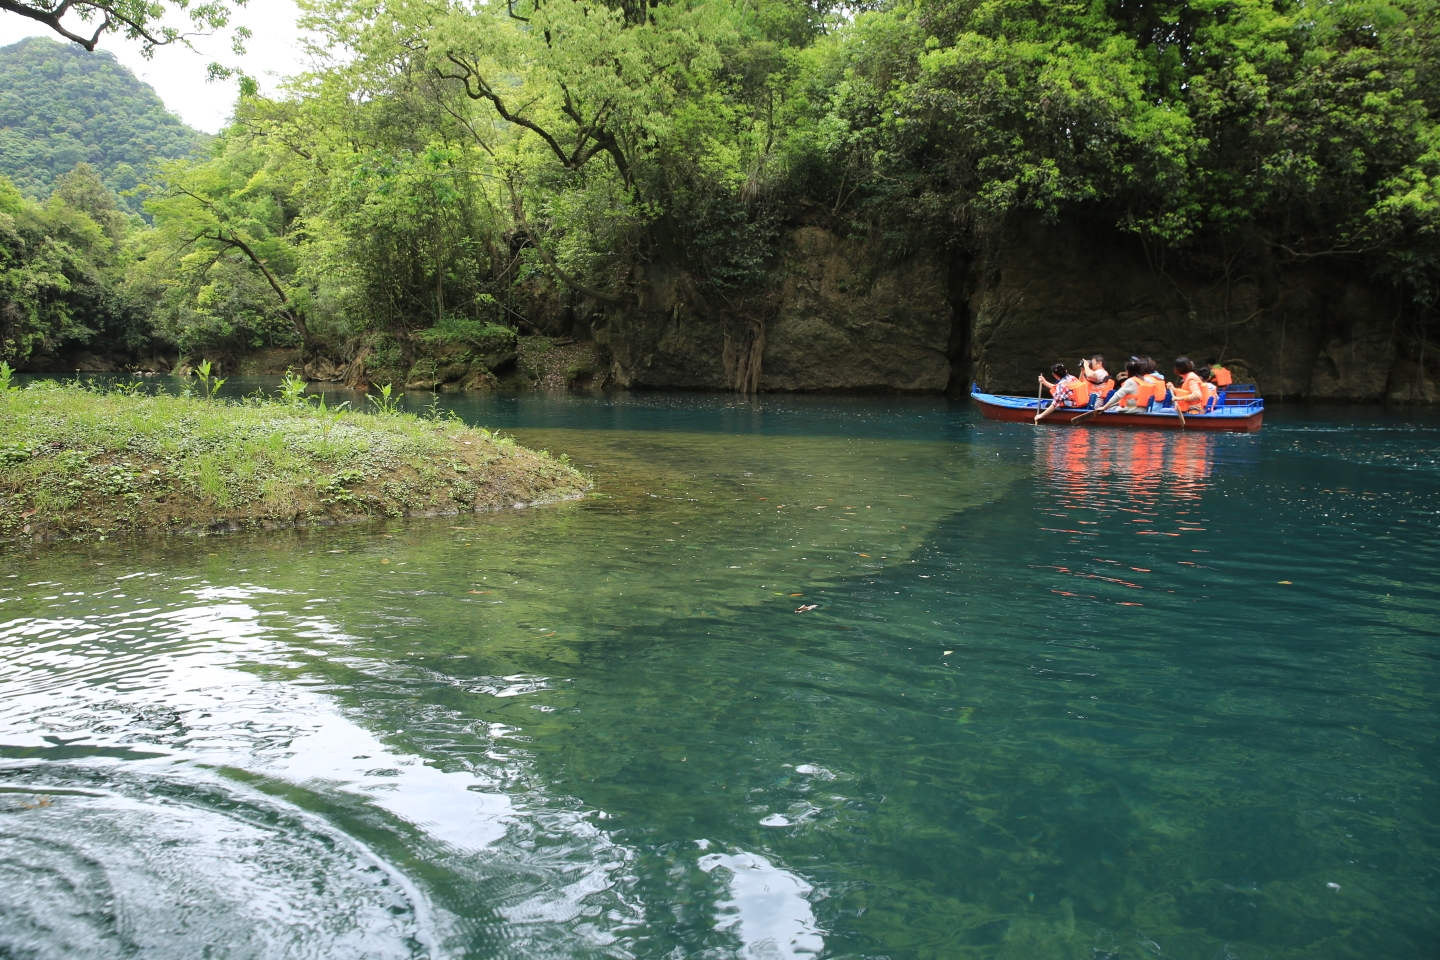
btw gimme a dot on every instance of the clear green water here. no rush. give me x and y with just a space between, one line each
1034 714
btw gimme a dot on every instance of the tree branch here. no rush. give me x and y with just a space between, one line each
600 139
482 91
235 242
52 17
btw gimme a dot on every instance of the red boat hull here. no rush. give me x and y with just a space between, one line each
1238 421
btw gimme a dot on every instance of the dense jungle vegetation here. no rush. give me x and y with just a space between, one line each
448 154
60 106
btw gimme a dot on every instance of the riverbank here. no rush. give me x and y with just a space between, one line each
82 463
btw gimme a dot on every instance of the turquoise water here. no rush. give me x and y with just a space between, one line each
1069 694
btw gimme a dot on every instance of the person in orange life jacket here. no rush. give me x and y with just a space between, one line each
1190 394
1159 386
1068 391
1093 370
1219 375
1134 391
1212 392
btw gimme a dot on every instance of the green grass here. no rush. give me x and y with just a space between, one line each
81 462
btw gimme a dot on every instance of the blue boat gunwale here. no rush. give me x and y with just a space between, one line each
1229 412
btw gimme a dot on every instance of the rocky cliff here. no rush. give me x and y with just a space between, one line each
838 318
841 316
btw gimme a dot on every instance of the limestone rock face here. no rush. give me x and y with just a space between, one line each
840 318
1313 330
845 322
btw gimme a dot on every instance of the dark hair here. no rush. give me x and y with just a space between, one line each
1149 365
1059 371
1098 359
1135 367
1184 365
1204 372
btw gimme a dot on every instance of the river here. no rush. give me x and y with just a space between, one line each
803 677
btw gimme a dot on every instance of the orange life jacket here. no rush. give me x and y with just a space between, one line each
1212 394
1158 387
1191 384
1221 377
1137 400
1079 390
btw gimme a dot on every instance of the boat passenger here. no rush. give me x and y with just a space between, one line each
1134 391
1212 392
1068 390
1159 386
1093 370
1219 376
1190 394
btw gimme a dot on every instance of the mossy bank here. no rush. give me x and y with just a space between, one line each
76 462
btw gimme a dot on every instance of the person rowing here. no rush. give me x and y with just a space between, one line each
1190 394
1066 391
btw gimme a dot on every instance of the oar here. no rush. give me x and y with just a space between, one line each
1178 412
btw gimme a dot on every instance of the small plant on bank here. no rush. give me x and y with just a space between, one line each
433 411
329 416
209 386
292 389
6 374
383 403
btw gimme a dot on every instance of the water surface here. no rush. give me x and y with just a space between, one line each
1069 694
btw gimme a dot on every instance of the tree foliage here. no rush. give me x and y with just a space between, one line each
446 154
61 271
60 106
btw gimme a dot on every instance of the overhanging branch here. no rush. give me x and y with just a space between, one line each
233 241
51 17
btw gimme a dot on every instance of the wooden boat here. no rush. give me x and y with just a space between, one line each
1238 410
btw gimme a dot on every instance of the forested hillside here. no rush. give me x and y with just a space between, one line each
784 195
60 105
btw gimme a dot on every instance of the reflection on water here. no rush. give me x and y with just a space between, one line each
1066 694
769 908
1137 462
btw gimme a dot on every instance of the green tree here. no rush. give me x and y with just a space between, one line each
218 264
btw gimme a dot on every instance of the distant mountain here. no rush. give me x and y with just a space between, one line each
60 105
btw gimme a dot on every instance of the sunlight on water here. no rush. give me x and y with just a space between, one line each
802 678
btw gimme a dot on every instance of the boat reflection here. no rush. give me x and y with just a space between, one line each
1139 464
